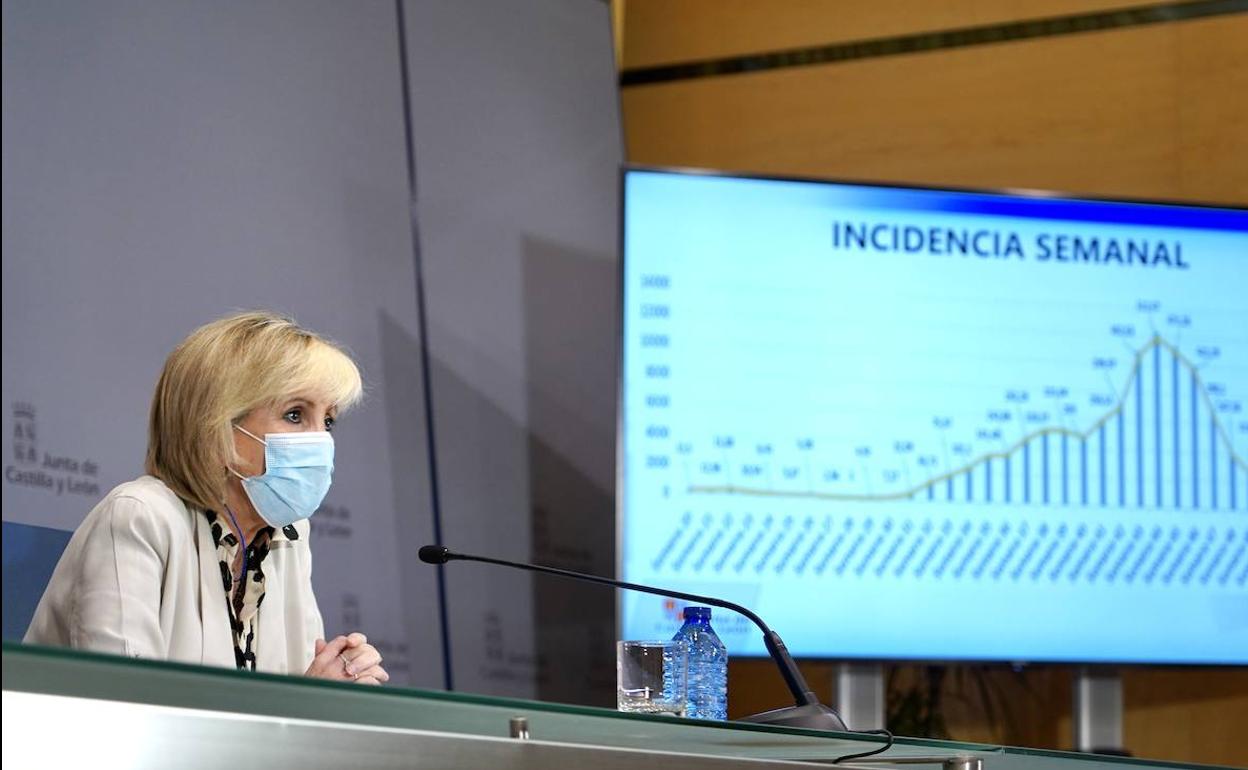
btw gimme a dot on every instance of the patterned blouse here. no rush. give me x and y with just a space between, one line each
244 597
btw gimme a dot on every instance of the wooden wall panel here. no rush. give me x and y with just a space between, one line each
1211 72
1178 714
1104 113
670 31
1185 715
1157 111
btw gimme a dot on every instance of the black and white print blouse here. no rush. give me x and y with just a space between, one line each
244 597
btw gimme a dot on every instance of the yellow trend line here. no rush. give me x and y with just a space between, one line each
1155 342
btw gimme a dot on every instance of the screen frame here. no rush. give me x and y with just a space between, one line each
626 169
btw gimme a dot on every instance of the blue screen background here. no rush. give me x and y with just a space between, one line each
916 454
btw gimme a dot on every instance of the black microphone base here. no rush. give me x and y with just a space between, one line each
812 716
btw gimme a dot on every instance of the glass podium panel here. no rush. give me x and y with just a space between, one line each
64 706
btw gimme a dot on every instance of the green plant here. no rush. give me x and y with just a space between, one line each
914 701
920 698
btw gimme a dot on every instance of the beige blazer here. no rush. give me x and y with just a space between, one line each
140 577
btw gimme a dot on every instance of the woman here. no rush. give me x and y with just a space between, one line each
205 559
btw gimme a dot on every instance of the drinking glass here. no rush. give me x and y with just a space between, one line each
651 677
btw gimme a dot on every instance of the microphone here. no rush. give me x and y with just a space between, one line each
808 711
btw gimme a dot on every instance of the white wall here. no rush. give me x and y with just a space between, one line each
517 146
168 162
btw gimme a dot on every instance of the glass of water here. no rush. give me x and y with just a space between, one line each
652 677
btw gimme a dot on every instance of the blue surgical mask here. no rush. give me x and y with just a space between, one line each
298 469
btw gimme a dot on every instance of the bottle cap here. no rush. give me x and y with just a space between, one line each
700 613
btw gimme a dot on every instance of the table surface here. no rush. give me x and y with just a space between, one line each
65 673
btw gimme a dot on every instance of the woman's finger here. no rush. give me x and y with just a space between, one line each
327 656
361 660
376 672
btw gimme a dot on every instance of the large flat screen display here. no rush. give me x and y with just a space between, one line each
931 424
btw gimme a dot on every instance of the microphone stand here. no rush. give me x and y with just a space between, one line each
807 712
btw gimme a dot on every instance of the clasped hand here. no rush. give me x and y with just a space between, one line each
348 659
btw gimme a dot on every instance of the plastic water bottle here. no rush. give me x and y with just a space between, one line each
708 666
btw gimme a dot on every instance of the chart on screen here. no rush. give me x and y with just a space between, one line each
882 417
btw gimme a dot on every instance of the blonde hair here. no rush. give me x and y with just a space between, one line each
221 372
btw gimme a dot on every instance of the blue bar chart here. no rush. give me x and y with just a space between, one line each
1177 426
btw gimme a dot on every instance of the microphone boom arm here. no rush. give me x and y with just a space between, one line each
808 711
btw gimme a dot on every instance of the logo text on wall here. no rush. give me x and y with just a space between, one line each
56 474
